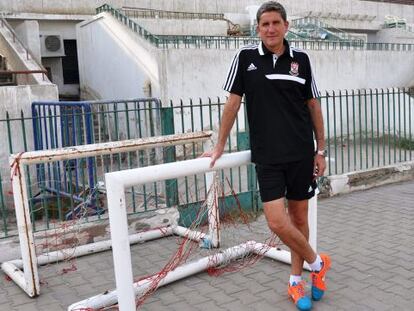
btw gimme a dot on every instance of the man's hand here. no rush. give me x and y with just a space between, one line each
319 165
229 115
214 154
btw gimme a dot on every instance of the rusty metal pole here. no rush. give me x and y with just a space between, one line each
24 224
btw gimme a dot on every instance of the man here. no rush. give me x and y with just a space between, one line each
283 113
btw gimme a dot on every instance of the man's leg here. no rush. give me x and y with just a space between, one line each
298 214
275 182
279 222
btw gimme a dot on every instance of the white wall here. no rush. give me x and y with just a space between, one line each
114 63
14 100
65 28
356 69
197 73
198 27
395 35
201 72
28 32
56 6
294 7
18 58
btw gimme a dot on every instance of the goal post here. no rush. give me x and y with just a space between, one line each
117 182
24 271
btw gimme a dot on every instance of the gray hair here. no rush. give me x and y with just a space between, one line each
270 6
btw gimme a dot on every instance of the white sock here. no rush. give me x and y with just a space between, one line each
295 279
317 264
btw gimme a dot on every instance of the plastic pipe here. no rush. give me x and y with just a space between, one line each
191 268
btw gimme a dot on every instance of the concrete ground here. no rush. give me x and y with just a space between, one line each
369 234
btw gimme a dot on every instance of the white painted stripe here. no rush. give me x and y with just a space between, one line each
231 74
314 88
285 77
261 52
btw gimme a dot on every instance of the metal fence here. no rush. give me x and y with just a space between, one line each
63 189
223 42
363 128
368 128
134 12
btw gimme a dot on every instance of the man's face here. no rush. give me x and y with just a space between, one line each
272 29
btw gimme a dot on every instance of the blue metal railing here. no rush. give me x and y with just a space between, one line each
65 124
74 128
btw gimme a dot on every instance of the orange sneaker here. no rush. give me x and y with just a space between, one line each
297 293
318 278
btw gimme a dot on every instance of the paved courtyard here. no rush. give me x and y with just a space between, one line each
369 234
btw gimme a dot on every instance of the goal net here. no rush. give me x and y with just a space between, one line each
214 224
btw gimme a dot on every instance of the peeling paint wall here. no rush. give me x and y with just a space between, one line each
293 7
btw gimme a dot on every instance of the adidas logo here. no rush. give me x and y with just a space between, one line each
251 67
310 189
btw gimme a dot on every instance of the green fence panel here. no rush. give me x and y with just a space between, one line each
167 128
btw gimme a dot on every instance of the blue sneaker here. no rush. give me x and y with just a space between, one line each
297 293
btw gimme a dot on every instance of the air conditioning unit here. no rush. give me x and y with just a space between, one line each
51 45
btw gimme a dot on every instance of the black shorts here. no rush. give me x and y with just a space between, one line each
293 180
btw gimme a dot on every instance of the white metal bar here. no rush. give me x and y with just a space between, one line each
14 273
275 253
120 245
96 247
312 217
31 285
190 234
313 220
212 207
212 204
191 268
83 151
204 263
137 176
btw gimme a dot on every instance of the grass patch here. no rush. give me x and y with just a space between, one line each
405 143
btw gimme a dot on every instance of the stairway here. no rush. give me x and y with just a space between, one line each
315 29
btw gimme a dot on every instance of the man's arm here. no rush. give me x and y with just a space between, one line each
317 121
231 108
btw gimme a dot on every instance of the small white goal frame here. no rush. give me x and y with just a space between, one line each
117 182
24 271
